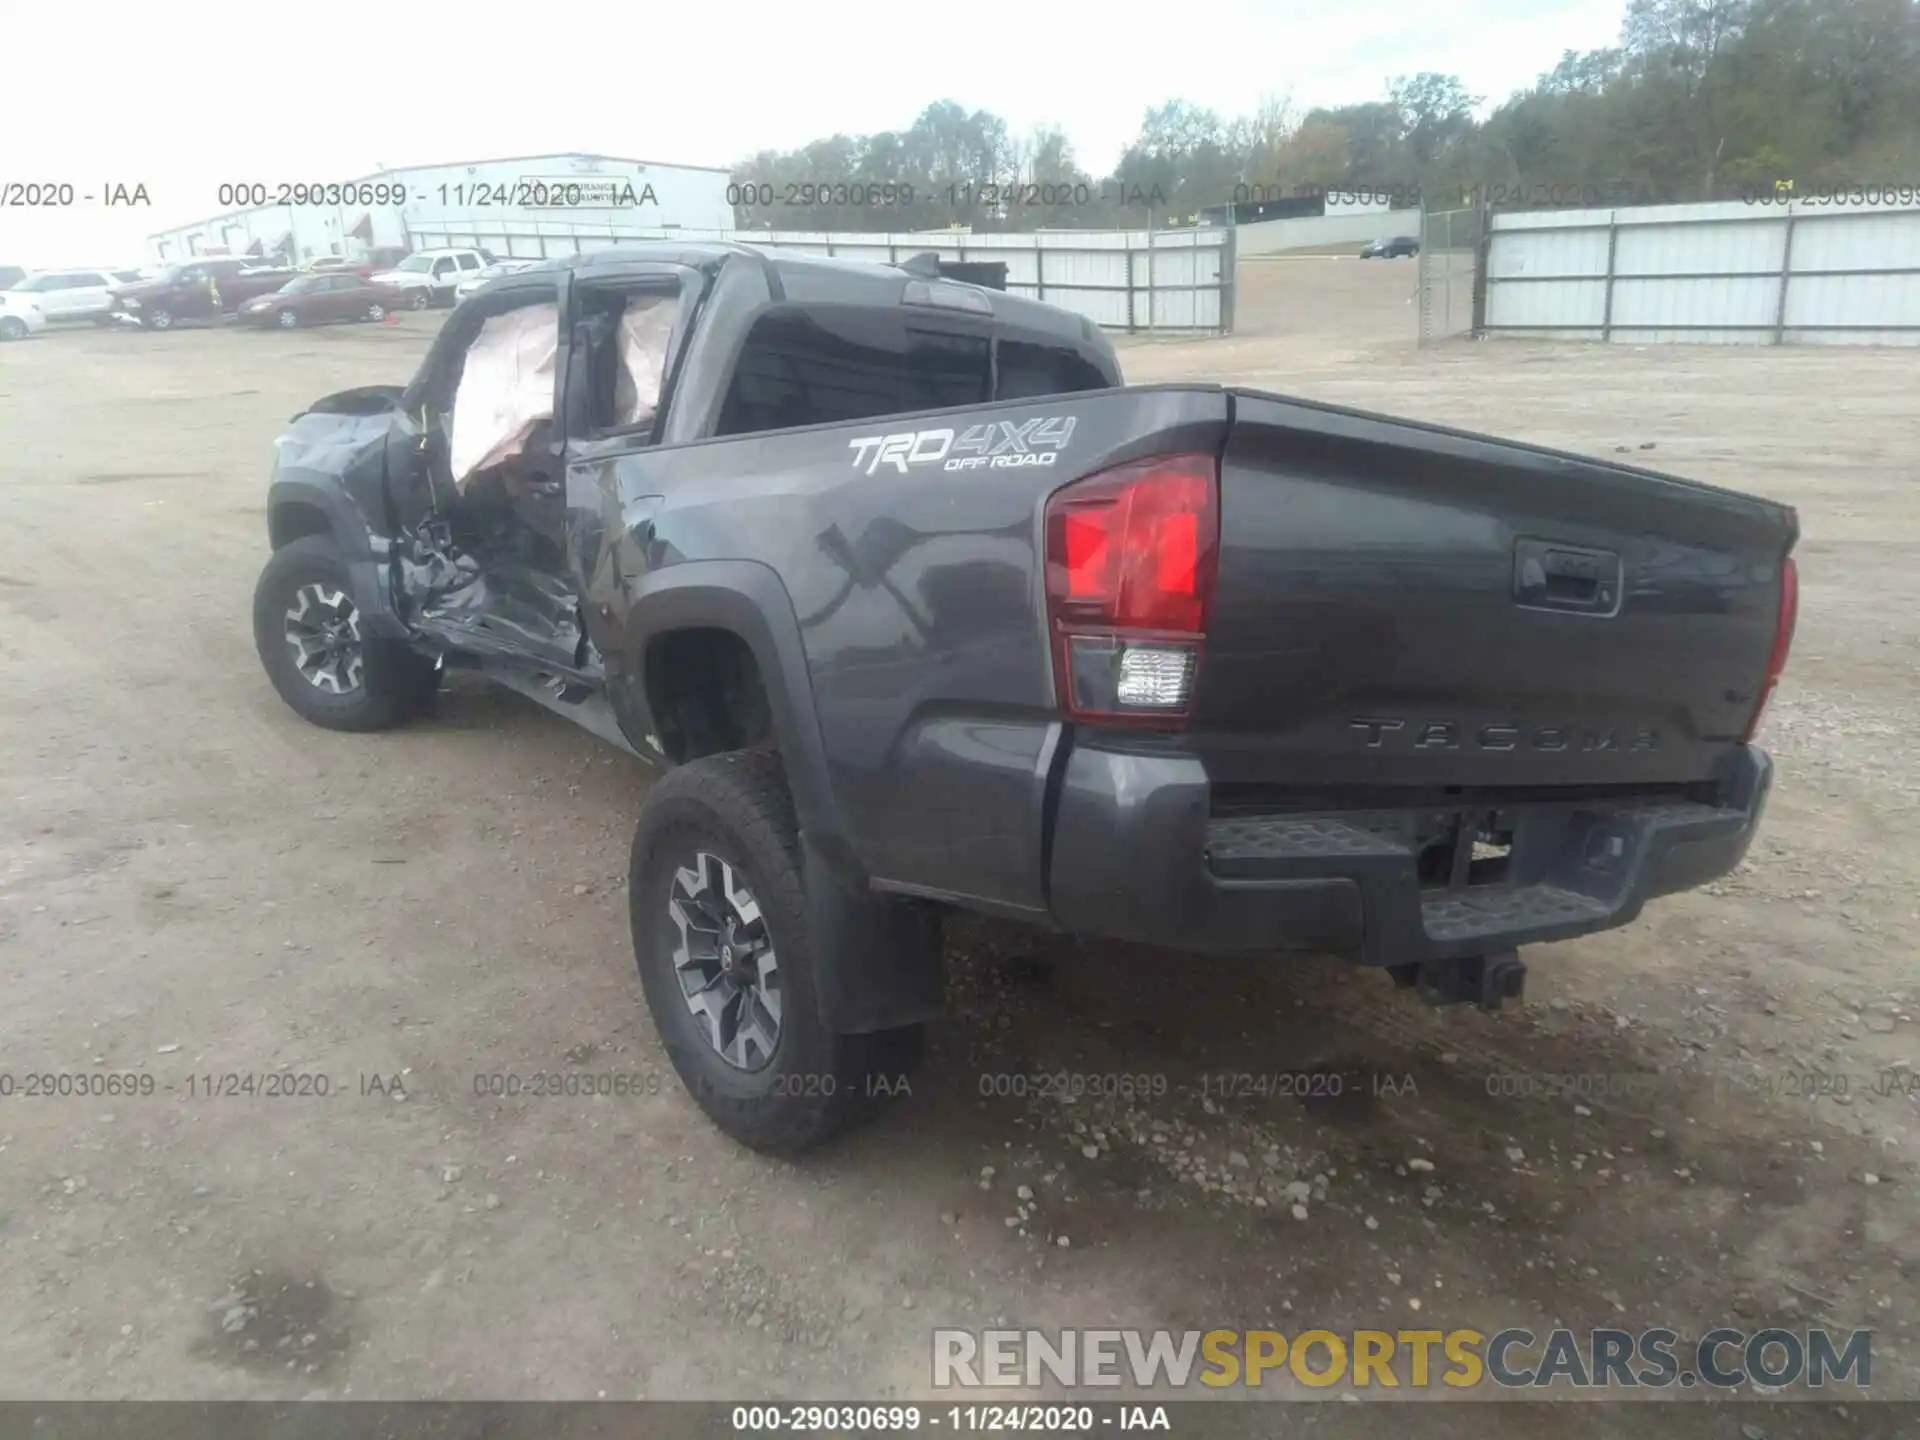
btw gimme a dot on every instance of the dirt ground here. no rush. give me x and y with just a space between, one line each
193 884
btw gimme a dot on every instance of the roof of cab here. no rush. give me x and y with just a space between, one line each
829 276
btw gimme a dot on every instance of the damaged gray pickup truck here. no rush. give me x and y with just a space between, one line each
919 607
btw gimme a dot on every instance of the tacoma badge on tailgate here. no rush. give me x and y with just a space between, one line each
1446 735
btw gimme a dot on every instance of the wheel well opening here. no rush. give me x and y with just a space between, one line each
706 693
296 521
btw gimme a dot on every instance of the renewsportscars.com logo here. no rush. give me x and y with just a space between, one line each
1595 1361
996 445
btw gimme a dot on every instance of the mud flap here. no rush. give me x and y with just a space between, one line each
877 959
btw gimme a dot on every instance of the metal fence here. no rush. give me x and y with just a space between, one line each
1727 273
1450 249
1134 281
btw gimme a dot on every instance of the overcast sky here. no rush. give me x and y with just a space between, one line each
181 100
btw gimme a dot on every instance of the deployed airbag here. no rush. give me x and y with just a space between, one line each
506 388
645 327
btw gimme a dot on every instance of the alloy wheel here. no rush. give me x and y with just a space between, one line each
323 629
725 961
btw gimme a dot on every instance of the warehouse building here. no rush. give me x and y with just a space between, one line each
429 204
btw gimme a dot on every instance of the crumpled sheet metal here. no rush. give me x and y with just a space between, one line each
329 444
506 388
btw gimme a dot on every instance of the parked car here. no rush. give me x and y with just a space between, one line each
20 315
381 258
207 289
70 294
1391 248
920 610
318 300
491 272
430 277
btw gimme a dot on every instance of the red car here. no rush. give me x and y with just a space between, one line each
318 299
378 259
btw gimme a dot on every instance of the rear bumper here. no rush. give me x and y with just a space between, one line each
1138 855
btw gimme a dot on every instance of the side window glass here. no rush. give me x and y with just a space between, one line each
1029 371
817 366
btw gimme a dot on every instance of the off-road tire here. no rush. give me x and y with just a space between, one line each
397 683
816 1083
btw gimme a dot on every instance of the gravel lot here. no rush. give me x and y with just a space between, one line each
193 883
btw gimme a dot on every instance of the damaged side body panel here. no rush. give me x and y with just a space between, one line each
451 499
480 563
331 476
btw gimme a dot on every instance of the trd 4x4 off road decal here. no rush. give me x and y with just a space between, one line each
997 445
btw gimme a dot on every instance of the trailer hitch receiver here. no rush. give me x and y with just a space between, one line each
1488 981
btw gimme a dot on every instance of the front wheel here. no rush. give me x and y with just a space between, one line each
158 319
12 327
718 907
286 319
308 633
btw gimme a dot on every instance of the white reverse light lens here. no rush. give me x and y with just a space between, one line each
1155 677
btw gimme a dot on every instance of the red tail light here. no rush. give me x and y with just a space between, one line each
1130 565
1782 640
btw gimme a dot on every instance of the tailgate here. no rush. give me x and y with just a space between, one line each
1400 605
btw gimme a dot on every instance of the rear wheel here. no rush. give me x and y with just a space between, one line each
307 630
376 312
420 299
720 932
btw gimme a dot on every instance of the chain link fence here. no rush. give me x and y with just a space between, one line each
1450 250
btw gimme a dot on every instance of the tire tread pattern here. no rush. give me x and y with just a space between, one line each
397 683
746 791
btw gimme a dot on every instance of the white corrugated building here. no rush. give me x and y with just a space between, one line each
407 206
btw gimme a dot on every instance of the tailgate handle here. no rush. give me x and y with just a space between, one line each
1552 576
